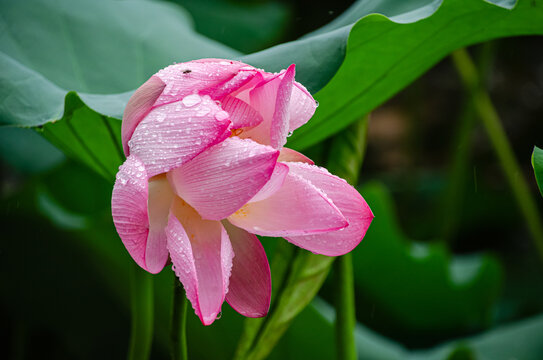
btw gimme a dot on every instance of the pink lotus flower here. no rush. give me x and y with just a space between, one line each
206 170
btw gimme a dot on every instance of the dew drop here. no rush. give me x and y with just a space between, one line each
221 116
316 103
219 315
203 111
191 100
161 117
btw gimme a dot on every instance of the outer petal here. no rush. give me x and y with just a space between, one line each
173 134
202 259
289 155
298 208
201 76
223 178
250 284
138 106
302 106
349 201
131 217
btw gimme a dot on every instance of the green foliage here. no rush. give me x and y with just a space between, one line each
298 275
15 150
247 26
383 57
420 286
87 136
92 47
537 163
376 52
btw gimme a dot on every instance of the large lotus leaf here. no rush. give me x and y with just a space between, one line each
93 47
25 150
382 56
245 26
104 48
419 288
519 340
98 48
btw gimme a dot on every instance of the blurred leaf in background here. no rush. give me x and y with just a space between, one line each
419 291
244 25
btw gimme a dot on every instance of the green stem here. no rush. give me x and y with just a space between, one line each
453 199
141 337
458 173
345 308
179 321
281 267
346 157
491 121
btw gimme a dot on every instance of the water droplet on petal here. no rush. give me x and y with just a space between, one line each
191 100
203 111
219 315
221 116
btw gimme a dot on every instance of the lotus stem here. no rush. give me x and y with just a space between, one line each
179 322
491 122
346 157
141 337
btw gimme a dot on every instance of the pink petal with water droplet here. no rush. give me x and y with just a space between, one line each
131 216
273 185
223 178
244 92
201 76
298 208
302 106
250 283
173 134
271 99
289 155
202 255
241 113
281 117
245 79
138 106
348 200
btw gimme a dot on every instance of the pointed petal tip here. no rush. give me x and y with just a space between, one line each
202 258
208 320
297 209
289 155
291 68
348 200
